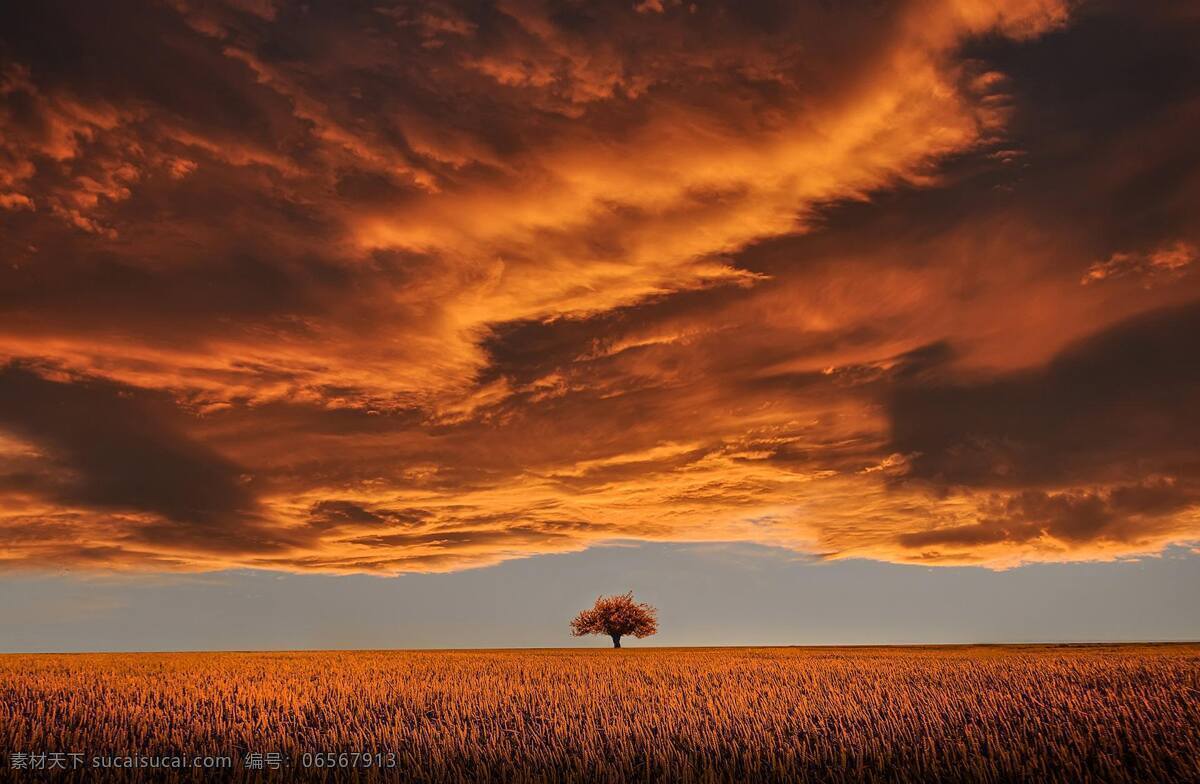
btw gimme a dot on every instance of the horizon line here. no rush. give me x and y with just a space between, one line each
1033 644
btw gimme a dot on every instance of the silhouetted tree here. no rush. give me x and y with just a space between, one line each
615 617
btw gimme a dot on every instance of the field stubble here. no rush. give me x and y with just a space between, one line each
1052 714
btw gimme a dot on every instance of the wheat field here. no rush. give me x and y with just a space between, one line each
988 714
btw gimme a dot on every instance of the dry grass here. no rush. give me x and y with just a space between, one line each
879 714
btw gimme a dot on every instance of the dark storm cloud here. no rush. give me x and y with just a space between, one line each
116 448
1117 403
1101 120
333 514
1124 514
1098 446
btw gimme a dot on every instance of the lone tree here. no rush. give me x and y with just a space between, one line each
615 617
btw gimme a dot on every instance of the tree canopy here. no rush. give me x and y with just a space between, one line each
616 617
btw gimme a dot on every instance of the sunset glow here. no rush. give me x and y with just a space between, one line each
353 288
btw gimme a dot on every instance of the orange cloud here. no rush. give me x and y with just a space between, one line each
424 288
1168 261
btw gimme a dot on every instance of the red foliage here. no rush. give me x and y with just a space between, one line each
615 617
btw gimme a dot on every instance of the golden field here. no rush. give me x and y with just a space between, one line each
988 713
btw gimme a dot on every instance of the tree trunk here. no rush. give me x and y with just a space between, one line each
616 640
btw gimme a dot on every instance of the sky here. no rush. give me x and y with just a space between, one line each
384 300
706 594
